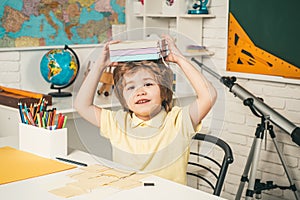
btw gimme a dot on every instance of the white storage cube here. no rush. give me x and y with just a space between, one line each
43 142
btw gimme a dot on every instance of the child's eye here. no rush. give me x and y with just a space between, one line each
130 88
148 84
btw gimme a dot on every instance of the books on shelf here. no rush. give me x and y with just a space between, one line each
12 96
138 50
195 49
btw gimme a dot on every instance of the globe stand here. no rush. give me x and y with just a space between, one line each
59 93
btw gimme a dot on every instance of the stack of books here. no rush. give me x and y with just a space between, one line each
138 50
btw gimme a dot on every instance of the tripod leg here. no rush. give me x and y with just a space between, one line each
252 177
246 171
256 141
286 169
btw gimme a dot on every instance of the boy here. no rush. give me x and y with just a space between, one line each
150 134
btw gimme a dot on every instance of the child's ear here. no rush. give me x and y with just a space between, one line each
164 103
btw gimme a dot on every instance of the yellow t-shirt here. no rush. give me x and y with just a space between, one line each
159 146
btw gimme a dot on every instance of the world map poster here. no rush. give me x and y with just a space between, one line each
32 23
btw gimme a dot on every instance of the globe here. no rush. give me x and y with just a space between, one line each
60 68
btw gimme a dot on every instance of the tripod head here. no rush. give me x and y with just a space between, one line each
257 104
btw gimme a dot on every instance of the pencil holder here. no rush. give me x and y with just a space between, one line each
43 142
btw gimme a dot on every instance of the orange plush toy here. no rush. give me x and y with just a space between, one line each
107 82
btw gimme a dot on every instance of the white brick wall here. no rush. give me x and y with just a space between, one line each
10 69
239 123
10 56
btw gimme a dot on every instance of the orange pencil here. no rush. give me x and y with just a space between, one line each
38 107
49 122
30 118
39 120
31 109
26 118
53 116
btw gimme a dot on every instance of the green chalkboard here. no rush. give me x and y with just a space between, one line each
272 25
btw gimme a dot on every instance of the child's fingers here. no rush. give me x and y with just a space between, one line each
168 38
114 64
106 45
114 41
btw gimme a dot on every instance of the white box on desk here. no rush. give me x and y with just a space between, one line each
43 142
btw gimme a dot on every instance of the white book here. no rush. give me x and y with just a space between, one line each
136 44
138 50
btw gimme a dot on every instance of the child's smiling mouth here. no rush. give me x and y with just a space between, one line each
142 101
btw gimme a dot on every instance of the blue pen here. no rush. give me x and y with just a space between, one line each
46 115
26 112
41 105
25 109
21 112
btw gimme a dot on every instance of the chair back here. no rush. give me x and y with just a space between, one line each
213 171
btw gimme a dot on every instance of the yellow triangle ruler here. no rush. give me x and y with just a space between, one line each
244 56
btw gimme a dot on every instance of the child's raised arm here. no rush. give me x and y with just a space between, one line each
85 97
206 93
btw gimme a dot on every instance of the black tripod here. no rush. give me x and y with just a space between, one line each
255 186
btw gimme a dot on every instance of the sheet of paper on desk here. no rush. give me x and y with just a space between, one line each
125 184
68 191
19 165
96 177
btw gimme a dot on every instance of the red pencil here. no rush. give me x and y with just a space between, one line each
60 121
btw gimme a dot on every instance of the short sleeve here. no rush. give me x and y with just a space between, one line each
187 120
106 123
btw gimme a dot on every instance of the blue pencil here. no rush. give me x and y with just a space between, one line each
21 112
26 113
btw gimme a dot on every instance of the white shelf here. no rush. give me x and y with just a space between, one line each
161 15
157 18
197 16
175 16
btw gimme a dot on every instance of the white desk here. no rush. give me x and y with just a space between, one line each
37 188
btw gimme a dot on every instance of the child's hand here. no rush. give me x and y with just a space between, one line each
105 57
174 53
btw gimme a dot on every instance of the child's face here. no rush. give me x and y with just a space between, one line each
142 94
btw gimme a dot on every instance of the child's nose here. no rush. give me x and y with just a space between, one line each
141 91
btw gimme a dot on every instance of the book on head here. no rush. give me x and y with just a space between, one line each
138 50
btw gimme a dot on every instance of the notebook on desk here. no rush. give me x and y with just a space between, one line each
16 165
